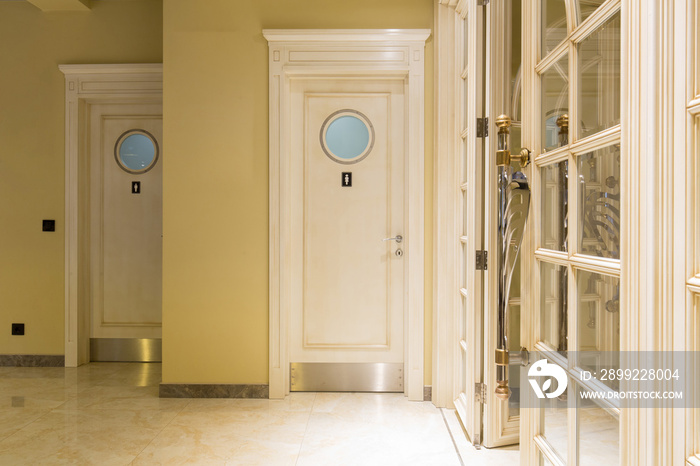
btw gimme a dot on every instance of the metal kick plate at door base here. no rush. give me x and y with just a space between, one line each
345 377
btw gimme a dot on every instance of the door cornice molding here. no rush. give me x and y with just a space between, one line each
351 36
344 53
90 84
112 69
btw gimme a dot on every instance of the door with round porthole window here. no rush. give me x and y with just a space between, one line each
348 242
126 229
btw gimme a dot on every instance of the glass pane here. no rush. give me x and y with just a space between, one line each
697 351
464 265
544 461
514 346
697 49
516 144
465 71
599 435
553 306
599 211
555 206
555 105
598 323
465 38
587 7
465 220
464 162
553 23
463 354
515 62
599 79
695 186
465 103
556 424
463 321
347 137
136 151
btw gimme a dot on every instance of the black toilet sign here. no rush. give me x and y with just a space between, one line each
136 187
346 180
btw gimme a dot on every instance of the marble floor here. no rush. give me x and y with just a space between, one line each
110 413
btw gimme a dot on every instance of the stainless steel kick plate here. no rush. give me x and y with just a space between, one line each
346 377
126 349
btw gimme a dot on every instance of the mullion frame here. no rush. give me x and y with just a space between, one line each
577 35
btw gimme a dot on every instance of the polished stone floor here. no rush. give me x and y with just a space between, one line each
110 413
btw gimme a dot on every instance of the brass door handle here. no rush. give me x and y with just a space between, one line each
503 155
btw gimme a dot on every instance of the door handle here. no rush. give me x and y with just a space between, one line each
503 155
513 209
397 238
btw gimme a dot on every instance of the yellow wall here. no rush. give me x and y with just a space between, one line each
215 256
32 45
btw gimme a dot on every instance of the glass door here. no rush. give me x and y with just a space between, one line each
490 40
571 255
470 37
508 206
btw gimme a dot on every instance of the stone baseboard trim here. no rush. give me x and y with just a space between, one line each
186 390
428 393
32 360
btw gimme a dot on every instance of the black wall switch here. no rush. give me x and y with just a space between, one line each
18 329
48 225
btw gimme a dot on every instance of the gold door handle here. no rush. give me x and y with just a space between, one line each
503 155
513 208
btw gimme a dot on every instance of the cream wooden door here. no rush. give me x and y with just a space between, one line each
347 207
125 160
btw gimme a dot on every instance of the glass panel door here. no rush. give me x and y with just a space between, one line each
503 309
571 122
470 37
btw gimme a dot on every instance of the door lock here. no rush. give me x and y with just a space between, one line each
399 252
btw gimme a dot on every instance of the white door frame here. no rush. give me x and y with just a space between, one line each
86 85
385 53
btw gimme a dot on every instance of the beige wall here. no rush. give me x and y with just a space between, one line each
215 283
32 45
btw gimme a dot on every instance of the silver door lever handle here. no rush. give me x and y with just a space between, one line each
397 238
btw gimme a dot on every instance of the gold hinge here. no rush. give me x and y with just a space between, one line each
482 260
480 392
482 127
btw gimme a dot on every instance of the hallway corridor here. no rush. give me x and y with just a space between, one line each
109 413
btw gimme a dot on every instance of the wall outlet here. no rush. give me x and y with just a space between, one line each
48 225
18 329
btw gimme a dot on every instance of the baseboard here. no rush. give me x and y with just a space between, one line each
428 393
32 360
186 390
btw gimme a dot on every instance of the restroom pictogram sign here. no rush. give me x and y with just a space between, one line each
136 187
346 180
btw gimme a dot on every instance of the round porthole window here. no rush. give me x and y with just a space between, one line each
347 136
136 151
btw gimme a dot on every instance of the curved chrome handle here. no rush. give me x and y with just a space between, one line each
397 238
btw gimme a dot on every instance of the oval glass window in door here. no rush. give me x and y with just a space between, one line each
347 136
136 151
